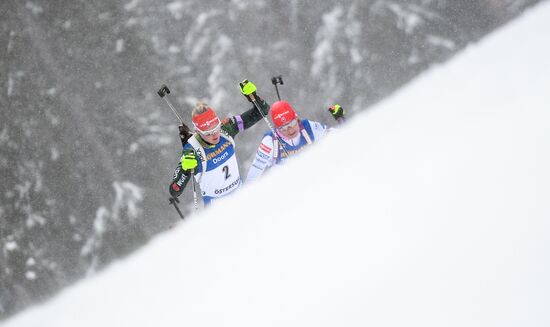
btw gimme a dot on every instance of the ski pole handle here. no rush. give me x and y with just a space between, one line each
164 90
277 80
163 93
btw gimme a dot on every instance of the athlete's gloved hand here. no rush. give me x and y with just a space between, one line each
337 112
189 161
185 134
248 89
173 200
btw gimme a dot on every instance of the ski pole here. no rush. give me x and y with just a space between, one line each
185 131
173 201
163 93
255 102
195 203
277 80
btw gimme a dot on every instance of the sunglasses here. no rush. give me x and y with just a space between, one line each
287 126
213 131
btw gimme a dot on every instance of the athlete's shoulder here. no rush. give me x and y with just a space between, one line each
266 145
227 136
268 134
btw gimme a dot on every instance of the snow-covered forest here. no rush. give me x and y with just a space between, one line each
87 148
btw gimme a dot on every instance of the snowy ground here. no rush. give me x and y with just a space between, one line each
429 210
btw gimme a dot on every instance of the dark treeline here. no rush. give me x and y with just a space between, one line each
87 147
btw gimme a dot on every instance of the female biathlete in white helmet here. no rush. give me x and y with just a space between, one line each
294 134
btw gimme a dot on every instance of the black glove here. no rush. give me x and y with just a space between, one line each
173 200
185 134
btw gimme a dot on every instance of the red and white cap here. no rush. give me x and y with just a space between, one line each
206 121
282 113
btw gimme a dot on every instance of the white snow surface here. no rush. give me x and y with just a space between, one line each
431 209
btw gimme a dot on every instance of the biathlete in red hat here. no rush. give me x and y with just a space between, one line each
294 134
209 154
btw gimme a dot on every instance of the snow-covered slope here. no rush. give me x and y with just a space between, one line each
429 210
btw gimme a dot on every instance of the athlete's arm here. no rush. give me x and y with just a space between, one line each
263 159
247 119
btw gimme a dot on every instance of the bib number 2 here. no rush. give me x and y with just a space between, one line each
226 172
